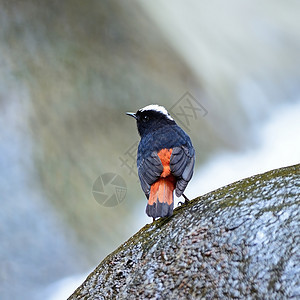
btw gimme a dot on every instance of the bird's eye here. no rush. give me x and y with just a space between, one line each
145 118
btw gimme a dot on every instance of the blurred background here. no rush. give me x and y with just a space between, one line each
69 72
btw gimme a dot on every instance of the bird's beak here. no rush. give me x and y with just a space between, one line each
131 114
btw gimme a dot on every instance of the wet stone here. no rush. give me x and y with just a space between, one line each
239 242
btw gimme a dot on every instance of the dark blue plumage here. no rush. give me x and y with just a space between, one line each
167 136
165 159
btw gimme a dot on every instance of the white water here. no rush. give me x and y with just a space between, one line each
279 146
35 247
63 288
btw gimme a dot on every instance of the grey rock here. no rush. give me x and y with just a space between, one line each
241 241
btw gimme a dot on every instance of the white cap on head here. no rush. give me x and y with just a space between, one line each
158 108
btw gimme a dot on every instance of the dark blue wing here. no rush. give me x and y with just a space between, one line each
182 163
149 170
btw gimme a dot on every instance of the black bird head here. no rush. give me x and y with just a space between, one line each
150 118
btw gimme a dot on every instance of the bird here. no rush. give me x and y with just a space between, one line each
165 159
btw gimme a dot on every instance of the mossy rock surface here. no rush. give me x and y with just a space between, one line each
241 241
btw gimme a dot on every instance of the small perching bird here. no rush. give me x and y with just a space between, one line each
165 159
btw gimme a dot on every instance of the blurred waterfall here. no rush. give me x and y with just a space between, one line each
277 147
36 248
245 54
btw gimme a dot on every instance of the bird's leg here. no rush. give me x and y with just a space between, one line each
186 200
153 219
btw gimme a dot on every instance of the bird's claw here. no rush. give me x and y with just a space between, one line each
186 200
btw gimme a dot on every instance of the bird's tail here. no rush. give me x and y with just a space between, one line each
161 199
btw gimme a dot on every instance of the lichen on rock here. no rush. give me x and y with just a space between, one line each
241 241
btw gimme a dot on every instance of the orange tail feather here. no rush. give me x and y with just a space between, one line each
161 199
